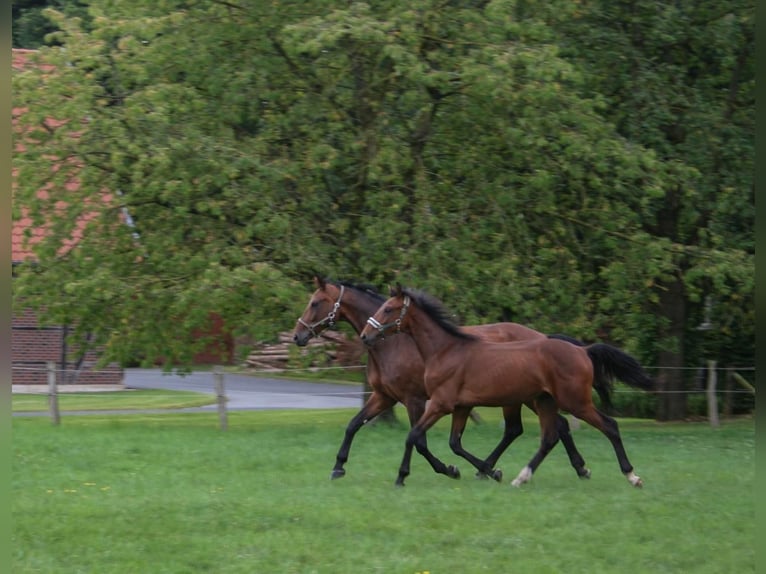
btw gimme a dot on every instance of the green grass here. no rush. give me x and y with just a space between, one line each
113 400
172 493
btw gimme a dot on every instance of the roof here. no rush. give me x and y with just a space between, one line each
24 232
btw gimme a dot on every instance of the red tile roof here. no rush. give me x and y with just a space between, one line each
24 233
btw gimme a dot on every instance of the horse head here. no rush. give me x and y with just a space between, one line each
391 315
321 311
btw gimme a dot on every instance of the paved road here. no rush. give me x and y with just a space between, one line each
246 392
243 392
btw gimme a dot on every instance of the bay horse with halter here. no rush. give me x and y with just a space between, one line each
463 371
395 371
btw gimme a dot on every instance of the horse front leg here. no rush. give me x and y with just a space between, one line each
375 405
512 429
575 458
417 434
415 410
459 419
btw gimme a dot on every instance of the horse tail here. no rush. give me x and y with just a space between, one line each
610 363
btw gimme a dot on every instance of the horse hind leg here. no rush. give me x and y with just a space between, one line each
608 426
547 411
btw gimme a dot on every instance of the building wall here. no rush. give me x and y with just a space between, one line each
32 346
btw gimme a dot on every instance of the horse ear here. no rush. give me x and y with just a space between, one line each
397 292
319 282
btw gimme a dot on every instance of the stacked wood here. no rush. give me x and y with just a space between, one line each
330 349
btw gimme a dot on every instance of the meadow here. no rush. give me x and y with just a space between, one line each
171 493
132 400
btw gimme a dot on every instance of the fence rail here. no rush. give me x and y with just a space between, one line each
711 389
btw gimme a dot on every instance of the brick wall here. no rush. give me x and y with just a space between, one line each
220 352
32 346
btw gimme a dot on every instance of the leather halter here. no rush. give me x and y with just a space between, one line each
383 327
329 320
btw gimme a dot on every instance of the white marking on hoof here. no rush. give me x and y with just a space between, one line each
524 476
634 479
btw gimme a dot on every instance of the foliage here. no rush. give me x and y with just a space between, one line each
31 28
679 78
520 162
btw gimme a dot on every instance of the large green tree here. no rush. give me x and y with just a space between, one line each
466 148
31 28
678 79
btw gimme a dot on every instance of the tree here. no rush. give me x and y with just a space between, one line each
30 25
462 151
679 80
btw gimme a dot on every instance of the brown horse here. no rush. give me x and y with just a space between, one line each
463 371
395 373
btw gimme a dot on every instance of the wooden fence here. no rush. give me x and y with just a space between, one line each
711 392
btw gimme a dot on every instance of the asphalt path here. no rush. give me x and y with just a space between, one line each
249 392
243 393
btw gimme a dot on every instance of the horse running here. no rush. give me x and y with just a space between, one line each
463 371
395 373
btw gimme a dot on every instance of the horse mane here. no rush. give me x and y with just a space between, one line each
438 312
363 287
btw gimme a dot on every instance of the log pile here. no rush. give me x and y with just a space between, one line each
330 349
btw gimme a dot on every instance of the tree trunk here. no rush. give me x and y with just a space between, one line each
671 403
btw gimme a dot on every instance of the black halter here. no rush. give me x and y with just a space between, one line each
383 327
329 320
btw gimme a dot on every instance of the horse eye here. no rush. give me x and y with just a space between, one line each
314 304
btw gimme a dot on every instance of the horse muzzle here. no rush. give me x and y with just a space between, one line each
369 339
301 339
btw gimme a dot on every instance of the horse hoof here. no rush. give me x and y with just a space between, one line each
583 473
453 472
497 475
524 476
634 479
337 473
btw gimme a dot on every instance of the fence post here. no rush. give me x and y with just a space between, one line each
220 392
712 402
53 398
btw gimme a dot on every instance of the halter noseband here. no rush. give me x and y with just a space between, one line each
329 320
383 327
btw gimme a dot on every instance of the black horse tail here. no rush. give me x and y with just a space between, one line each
610 363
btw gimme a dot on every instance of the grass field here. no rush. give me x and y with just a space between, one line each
173 494
130 400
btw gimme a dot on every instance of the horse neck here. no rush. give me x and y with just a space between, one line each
430 338
358 307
